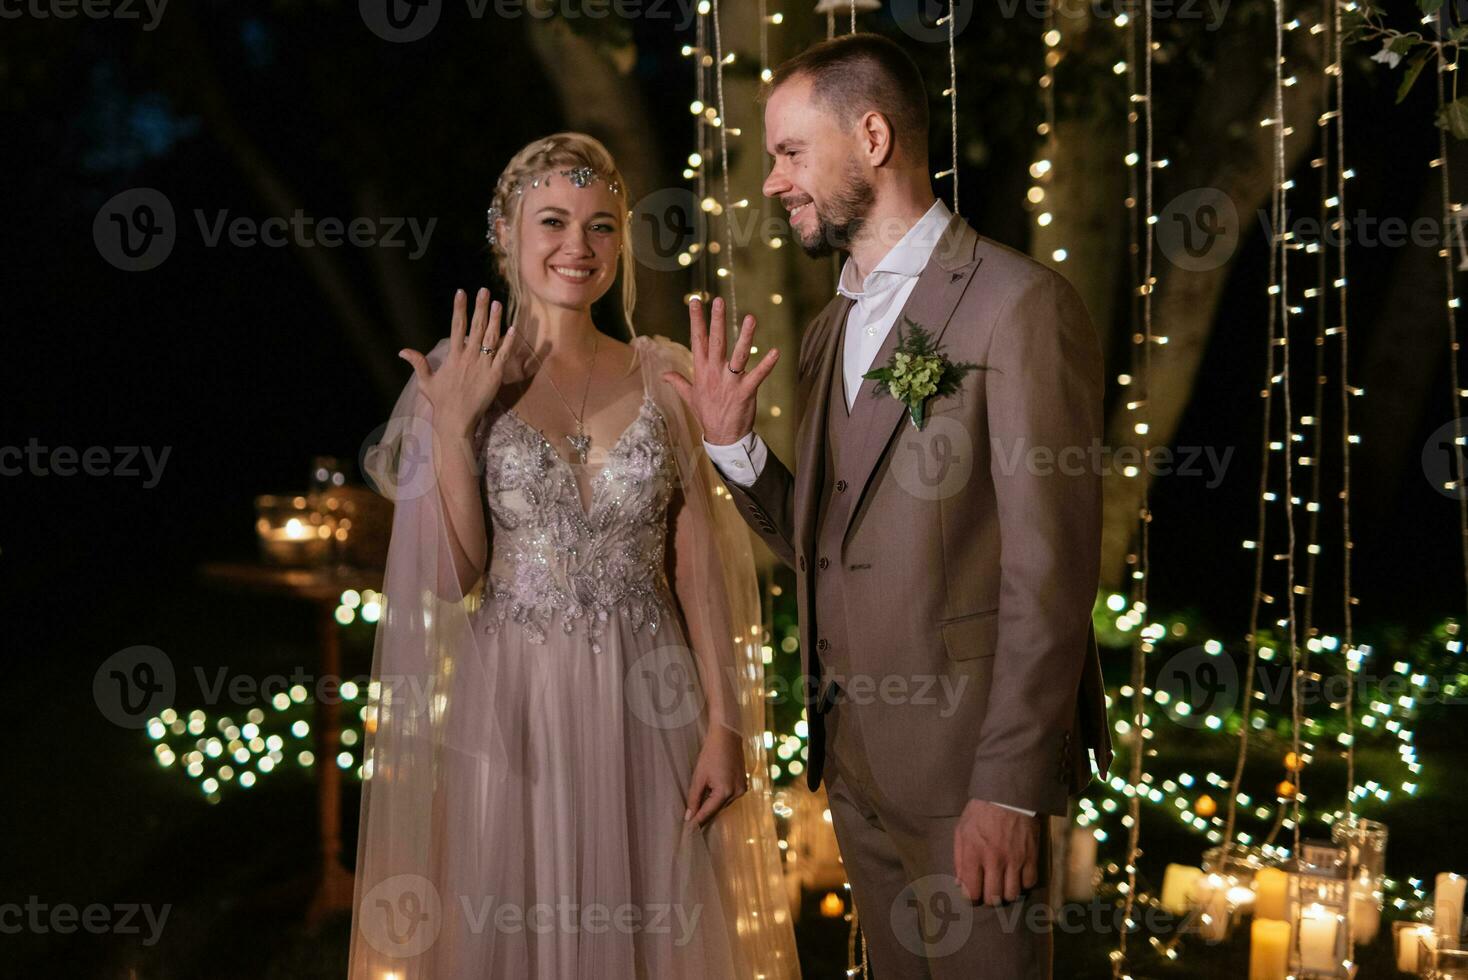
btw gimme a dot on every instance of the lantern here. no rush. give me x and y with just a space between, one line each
1319 884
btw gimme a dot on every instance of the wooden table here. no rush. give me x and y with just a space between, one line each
322 587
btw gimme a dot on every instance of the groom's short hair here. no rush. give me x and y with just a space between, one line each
856 73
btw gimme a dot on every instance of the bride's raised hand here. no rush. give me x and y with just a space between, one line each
468 378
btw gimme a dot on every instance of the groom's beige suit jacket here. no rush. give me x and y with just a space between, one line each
964 557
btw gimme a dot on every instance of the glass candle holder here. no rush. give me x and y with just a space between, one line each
1319 886
1410 941
1366 841
291 531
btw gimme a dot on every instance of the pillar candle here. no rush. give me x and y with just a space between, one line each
1080 865
1318 926
1409 937
1177 887
1210 895
1271 894
1447 907
1365 911
1269 949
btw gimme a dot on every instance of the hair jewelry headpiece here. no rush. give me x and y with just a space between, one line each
580 176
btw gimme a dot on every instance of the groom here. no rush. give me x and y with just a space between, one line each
945 575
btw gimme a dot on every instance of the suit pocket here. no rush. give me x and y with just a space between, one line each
971 636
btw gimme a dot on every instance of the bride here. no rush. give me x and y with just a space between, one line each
566 772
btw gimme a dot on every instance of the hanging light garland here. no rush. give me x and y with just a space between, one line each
1042 171
1452 217
1142 644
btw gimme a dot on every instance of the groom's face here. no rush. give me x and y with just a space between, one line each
817 173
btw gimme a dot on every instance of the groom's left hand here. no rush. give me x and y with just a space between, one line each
996 852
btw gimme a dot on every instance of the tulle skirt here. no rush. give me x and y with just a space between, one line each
567 855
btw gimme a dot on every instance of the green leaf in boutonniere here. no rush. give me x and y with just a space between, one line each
917 371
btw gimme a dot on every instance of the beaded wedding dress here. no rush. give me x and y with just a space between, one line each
534 744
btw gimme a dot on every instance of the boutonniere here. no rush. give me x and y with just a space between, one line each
917 370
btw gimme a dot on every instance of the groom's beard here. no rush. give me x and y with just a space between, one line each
838 224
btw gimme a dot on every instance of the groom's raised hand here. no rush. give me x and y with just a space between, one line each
721 393
996 852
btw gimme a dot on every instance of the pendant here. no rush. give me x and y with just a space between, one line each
581 443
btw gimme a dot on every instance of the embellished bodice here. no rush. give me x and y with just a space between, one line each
555 564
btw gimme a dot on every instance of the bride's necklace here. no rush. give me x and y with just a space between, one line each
581 440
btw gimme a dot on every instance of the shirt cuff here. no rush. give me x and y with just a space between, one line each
1017 809
739 462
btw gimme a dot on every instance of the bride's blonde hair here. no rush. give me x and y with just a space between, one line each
561 151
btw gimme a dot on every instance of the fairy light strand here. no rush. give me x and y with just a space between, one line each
1460 486
728 204
1139 647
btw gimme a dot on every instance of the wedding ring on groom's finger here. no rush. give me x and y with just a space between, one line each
735 369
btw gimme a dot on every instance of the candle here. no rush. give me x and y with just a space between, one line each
1409 937
1271 894
1365 910
1269 949
1241 899
1317 939
1211 897
1177 887
832 907
1447 907
1080 865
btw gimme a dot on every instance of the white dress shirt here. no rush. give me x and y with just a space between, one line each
878 301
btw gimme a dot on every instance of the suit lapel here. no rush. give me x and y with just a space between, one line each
809 458
931 304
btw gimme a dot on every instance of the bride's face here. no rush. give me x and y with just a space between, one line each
570 239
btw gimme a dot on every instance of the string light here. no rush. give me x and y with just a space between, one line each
1140 646
1450 215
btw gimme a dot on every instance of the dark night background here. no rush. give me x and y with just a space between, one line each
236 361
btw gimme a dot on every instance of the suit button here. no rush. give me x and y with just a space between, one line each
824 563
840 486
822 644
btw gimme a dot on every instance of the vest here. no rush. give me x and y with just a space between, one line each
842 438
